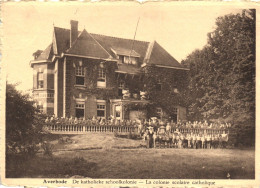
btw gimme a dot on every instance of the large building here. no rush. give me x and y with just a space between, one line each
81 74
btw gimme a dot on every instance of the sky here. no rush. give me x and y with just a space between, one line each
180 28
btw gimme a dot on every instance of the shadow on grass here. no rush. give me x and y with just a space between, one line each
48 167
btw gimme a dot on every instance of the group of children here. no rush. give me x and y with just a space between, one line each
166 136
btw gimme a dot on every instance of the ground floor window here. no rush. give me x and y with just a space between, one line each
118 111
159 112
80 110
174 116
101 110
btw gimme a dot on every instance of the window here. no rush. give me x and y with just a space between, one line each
118 111
174 115
121 85
101 75
80 75
101 81
40 108
130 60
80 110
101 110
159 112
40 80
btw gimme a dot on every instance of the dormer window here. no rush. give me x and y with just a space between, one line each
127 56
80 75
130 60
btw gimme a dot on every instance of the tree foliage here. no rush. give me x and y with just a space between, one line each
23 123
222 74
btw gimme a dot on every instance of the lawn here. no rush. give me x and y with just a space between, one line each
95 161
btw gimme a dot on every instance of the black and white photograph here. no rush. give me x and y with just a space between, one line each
129 94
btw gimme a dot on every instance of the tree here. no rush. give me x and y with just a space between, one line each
222 74
23 123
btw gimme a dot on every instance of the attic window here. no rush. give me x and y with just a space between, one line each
130 60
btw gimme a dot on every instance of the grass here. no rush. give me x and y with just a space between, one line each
80 158
49 167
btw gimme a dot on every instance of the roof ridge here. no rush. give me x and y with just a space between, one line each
118 37
149 51
106 35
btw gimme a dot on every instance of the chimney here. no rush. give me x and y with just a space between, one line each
73 31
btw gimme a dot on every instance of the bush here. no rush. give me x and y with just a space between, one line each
23 123
47 149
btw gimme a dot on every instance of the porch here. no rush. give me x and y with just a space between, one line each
128 109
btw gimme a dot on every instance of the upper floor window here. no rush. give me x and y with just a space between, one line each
175 110
80 75
101 80
121 86
40 80
101 75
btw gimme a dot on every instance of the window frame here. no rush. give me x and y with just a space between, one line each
129 60
40 80
103 108
159 111
79 75
101 78
80 105
175 110
101 75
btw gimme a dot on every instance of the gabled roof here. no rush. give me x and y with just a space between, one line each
46 54
125 52
109 42
101 46
62 37
159 56
86 45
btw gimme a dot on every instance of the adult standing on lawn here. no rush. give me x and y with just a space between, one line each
168 128
150 137
224 138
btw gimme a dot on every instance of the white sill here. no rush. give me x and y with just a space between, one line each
39 89
80 86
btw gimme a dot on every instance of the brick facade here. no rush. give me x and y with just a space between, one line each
60 95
